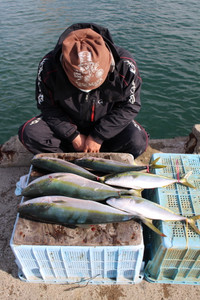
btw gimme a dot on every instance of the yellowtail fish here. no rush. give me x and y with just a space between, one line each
112 166
53 164
70 211
141 180
147 211
71 185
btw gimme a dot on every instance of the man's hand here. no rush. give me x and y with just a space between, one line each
79 143
91 145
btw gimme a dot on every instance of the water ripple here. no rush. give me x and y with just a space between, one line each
162 35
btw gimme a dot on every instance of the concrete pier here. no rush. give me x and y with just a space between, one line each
15 162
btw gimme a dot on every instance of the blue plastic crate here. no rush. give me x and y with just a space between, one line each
175 258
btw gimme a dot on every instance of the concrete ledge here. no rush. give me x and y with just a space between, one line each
14 154
193 143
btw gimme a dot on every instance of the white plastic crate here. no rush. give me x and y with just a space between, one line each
64 264
70 264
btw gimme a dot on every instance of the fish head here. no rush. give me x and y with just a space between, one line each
27 207
46 199
42 203
49 199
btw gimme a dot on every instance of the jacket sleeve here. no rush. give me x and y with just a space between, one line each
124 111
52 113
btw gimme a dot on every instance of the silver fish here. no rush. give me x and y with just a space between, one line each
53 164
147 211
112 166
71 185
70 211
140 180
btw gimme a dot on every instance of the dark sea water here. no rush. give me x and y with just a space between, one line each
163 36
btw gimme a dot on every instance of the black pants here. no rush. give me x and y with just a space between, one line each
37 137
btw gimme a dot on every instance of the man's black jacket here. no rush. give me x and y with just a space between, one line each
103 112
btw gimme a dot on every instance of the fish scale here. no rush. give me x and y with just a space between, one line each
54 164
140 180
112 166
71 185
71 211
147 211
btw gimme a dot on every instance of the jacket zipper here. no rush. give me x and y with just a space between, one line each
92 111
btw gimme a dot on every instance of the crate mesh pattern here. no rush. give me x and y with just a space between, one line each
77 264
176 257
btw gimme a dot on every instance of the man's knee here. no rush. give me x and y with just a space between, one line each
37 137
28 131
138 145
138 141
34 135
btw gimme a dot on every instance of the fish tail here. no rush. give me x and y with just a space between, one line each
192 221
149 223
185 182
153 165
134 192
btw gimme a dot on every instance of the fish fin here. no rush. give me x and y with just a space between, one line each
153 165
192 221
184 180
103 178
137 192
149 223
